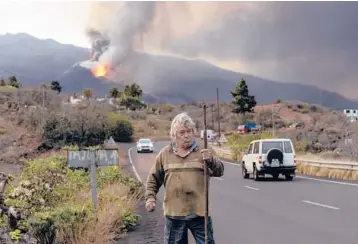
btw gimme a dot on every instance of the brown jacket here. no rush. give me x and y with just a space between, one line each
183 179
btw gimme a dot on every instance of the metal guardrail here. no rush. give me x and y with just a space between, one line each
317 163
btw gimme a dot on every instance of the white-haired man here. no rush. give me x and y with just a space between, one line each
180 167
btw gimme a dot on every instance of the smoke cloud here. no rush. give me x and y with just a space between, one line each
302 42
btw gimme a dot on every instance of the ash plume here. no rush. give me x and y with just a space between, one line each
99 44
298 42
113 43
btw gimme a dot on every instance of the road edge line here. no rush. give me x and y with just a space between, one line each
327 181
320 205
133 167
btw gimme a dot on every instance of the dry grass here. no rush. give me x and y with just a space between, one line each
114 202
16 142
337 174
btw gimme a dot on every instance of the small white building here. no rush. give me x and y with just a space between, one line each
352 114
75 100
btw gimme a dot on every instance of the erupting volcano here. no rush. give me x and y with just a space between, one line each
101 70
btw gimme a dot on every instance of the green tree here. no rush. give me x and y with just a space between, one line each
132 103
45 86
13 82
55 86
87 93
2 82
114 92
133 90
243 102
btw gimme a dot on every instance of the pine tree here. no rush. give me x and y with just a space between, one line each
55 86
243 102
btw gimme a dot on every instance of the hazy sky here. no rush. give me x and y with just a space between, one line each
303 42
62 21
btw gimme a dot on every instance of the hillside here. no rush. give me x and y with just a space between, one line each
175 80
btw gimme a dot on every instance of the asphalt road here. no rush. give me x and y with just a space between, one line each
306 210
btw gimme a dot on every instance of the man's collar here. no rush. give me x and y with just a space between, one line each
194 147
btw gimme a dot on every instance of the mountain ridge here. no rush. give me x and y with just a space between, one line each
176 80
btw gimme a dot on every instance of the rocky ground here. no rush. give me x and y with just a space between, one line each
5 238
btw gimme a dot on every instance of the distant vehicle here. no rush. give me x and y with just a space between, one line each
248 127
297 125
242 129
269 156
145 145
211 135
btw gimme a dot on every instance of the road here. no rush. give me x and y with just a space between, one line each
306 210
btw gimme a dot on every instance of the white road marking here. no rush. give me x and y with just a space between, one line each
133 167
218 178
252 188
328 181
320 205
236 164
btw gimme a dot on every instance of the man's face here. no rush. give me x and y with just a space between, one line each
184 136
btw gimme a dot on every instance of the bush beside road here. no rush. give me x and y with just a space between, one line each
55 203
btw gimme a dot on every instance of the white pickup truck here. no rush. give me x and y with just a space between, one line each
211 135
269 156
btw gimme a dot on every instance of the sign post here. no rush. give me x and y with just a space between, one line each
92 159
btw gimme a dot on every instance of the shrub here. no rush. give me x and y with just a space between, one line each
86 129
3 130
43 228
119 128
52 209
238 143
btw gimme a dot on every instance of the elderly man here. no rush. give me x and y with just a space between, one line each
180 167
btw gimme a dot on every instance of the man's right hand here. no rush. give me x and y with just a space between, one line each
150 205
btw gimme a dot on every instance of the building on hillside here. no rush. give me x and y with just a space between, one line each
352 114
75 100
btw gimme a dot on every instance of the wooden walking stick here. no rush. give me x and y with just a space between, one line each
206 183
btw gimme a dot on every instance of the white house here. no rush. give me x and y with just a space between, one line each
74 100
352 114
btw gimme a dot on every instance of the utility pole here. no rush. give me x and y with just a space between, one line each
273 118
273 122
212 116
218 111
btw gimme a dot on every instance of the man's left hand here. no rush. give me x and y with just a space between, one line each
207 156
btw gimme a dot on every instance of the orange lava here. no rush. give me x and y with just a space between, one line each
100 70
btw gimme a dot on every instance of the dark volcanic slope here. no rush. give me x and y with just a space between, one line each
78 78
180 80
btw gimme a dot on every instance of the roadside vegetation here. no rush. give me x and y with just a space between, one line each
47 201
38 123
55 203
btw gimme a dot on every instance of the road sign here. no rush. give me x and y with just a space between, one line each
83 158
111 141
222 138
92 159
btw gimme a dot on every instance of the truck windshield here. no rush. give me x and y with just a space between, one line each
144 141
268 145
284 146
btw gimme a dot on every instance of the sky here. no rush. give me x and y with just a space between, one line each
302 42
63 21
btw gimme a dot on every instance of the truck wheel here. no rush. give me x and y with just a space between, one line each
255 174
275 176
244 171
289 177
